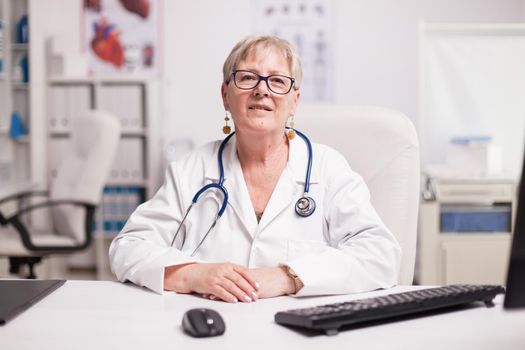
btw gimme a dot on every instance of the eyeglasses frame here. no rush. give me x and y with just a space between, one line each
265 78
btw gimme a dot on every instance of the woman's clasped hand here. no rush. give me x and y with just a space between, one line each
228 282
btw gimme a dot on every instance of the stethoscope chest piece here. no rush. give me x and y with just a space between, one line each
305 206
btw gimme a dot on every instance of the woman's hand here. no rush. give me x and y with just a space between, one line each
225 281
274 281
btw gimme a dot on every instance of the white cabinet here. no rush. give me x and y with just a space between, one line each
134 172
465 231
47 105
15 88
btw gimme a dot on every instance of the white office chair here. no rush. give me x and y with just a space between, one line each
71 200
382 146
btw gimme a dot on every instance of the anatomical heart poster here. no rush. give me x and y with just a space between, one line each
121 37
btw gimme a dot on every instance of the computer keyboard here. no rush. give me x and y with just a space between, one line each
329 318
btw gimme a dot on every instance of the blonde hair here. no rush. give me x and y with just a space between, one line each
257 42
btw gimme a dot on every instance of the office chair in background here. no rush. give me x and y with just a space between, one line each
71 200
382 146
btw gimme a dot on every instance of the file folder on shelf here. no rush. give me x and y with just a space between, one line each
57 149
65 102
129 162
126 102
118 203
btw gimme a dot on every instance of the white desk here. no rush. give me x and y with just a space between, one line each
110 315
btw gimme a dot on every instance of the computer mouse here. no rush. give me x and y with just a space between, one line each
203 323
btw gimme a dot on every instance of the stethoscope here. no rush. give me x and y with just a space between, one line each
304 207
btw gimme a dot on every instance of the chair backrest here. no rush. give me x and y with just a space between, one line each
84 169
382 146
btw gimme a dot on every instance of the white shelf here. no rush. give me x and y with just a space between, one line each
67 133
101 235
59 133
97 80
138 133
478 236
20 47
20 86
130 183
25 139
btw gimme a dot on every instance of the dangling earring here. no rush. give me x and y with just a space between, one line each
226 129
291 132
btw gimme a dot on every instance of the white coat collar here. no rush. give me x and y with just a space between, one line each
297 161
229 157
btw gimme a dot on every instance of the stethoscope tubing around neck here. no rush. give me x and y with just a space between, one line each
310 159
221 167
220 184
305 205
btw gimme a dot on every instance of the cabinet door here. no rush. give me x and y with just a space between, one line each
483 262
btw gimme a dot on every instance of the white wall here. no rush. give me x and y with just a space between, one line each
376 54
375 51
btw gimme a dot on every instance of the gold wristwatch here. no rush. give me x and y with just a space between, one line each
296 280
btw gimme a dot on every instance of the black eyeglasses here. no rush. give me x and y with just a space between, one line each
247 80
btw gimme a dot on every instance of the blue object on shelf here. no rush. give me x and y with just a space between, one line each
24 65
108 227
17 128
460 220
22 30
466 140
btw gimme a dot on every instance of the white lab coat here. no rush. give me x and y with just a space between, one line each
343 247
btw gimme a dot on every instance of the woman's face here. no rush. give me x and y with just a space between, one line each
260 111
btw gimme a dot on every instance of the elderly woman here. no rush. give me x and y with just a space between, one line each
269 223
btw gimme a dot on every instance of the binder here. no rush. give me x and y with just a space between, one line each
78 101
57 108
122 208
65 102
57 150
129 161
118 203
126 102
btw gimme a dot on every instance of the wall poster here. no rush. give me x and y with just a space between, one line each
308 25
121 37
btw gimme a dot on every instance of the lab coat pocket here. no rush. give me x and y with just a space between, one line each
299 248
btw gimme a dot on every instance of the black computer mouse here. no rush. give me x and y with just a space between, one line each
203 323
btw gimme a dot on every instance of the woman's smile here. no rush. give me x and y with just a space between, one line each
260 107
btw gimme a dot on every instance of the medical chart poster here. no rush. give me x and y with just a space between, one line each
121 37
308 25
